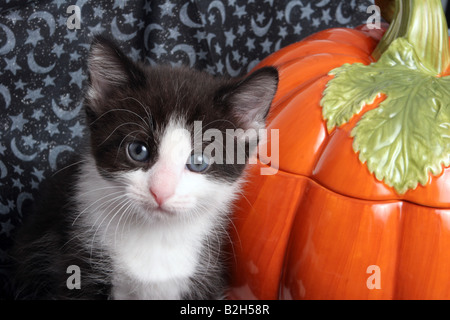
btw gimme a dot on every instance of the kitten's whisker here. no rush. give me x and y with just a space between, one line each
119 126
98 189
246 199
104 212
122 110
116 211
103 220
230 240
108 203
131 209
98 200
127 203
146 110
203 207
68 166
68 241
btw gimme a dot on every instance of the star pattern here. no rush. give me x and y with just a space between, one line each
222 26
12 65
43 71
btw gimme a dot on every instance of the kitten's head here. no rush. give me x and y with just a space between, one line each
149 131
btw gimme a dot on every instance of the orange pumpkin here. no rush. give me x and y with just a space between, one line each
330 224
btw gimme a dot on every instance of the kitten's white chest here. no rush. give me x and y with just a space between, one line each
156 263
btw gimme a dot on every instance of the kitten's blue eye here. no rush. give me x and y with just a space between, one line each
138 151
198 163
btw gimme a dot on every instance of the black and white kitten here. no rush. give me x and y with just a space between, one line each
136 216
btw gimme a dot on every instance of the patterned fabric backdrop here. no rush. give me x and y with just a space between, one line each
43 68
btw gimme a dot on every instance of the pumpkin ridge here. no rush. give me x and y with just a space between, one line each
337 192
295 72
307 48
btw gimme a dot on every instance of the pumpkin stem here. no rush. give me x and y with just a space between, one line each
387 8
423 25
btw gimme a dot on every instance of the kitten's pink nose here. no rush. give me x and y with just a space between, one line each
161 194
163 183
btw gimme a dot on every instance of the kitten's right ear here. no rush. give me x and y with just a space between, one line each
110 69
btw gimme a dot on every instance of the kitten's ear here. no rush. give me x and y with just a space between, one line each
110 69
250 99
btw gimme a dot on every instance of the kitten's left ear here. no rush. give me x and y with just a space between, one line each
250 99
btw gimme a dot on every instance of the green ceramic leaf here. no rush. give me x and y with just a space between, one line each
408 134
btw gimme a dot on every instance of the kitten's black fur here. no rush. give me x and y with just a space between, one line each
45 248
50 242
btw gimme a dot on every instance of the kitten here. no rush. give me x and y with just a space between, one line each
137 217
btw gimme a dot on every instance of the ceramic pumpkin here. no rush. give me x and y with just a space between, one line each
360 205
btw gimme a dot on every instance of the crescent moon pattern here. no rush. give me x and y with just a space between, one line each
54 153
32 64
291 5
10 42
189 50
186 20
49 19
19 154
118 34
261 31
21 199
209 38
340 17
41 120
3 170
252 64
219 6
63 114
232 72
148 29
278 45
322 3
4 91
